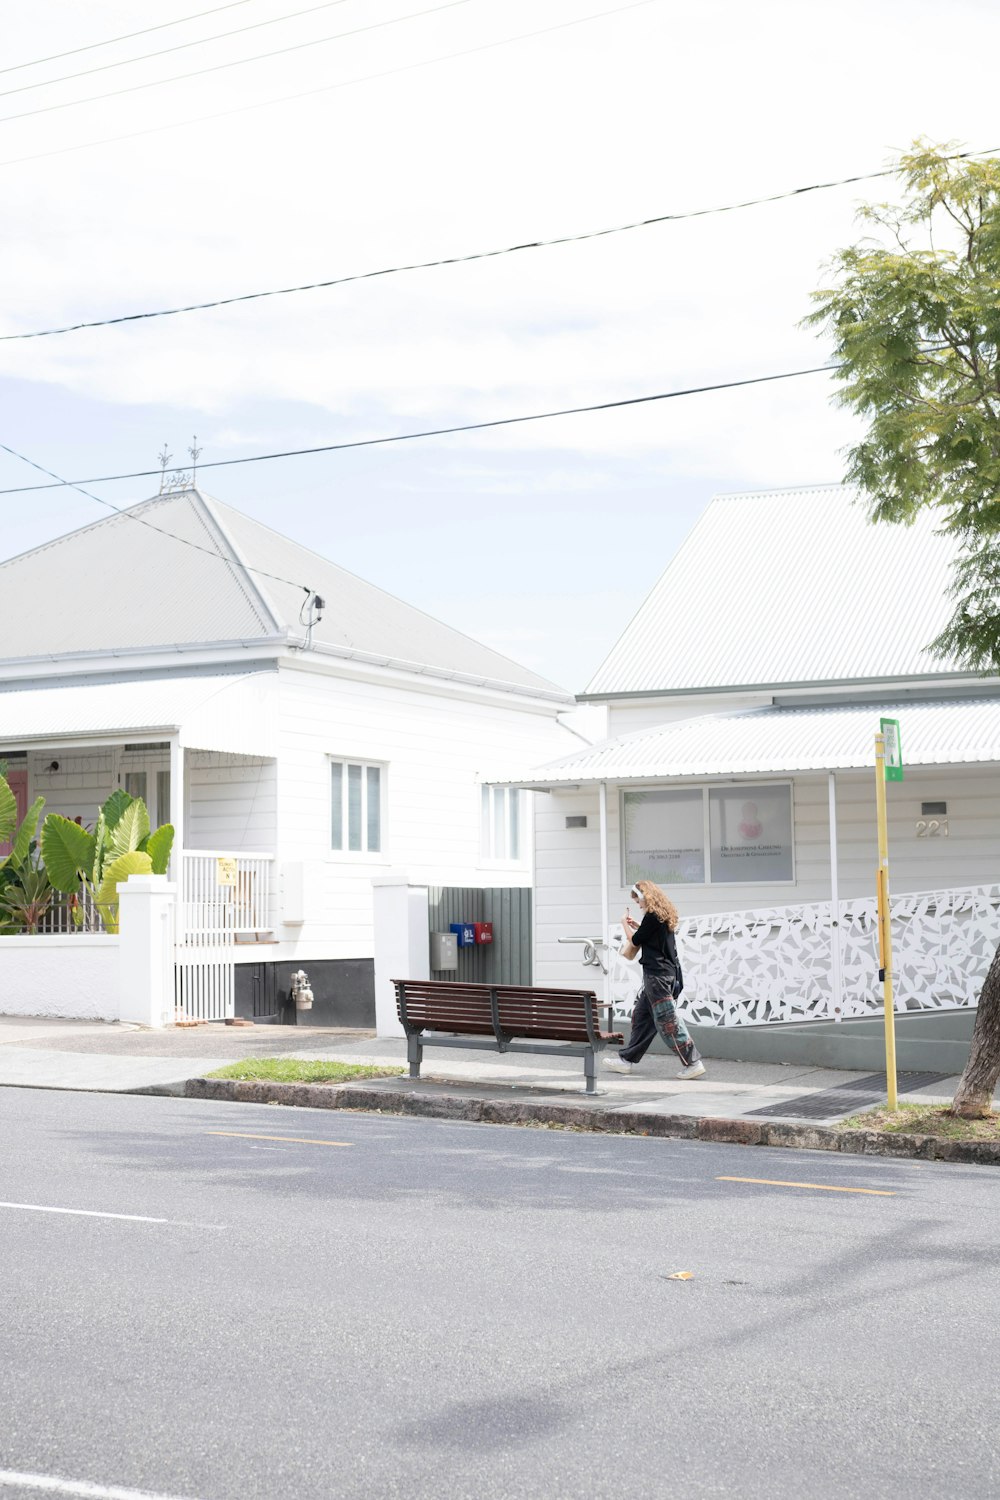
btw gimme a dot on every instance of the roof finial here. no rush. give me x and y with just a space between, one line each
163 458
195 453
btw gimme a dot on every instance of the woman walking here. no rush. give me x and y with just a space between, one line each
655 1011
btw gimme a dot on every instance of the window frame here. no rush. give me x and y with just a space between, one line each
516 819
366 766
705 787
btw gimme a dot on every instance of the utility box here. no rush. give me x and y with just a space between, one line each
444 952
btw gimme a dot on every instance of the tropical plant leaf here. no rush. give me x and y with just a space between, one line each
8 811
21 846
158 847
67 852
115 806
135 862
130 829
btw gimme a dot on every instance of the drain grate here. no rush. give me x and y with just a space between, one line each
847 1098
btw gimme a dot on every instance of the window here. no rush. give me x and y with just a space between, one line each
714 835
502 822
355 807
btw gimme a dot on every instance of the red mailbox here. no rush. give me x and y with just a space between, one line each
484 932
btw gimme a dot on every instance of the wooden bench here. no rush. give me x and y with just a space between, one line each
515 1018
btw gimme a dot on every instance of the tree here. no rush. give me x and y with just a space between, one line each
915 319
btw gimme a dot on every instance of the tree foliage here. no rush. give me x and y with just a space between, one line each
914 312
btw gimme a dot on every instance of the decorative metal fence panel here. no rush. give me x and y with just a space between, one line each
752 967
507 960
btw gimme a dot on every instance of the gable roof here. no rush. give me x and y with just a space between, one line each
121 584
784 588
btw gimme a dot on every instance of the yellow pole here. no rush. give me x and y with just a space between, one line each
884 925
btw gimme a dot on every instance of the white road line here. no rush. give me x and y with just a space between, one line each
56 1486
87 1213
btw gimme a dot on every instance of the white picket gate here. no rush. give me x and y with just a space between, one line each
222 897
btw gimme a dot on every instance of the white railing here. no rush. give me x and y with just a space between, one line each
751 967
72 915
223 896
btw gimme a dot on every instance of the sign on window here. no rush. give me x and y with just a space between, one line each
665 837
751 833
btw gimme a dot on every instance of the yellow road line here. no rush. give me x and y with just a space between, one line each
295 1140
821 1187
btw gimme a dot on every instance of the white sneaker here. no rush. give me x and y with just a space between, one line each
616 1065
694 1071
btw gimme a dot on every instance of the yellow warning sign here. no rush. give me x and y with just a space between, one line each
225 871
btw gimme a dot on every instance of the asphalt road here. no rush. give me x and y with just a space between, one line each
373 1308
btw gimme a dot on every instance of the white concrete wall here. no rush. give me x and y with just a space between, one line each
75 977
436 746
231 802
567 864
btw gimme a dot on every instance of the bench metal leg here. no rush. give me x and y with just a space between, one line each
415 1053
590 1069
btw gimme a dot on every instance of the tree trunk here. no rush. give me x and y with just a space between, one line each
974 1097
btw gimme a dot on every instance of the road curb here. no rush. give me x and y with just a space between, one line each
738 1132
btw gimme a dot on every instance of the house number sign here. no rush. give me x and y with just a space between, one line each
932 828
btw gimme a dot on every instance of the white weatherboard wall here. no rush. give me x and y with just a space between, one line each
231 802
567 861
71 977
435 747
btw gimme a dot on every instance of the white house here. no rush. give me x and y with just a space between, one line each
741 708
274 708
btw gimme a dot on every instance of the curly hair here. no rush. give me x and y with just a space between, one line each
659 903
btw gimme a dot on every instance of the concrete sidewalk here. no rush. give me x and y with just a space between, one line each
96 1056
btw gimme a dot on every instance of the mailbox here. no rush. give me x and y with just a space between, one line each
444 952
465 934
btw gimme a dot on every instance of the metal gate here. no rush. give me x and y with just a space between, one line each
204 965
507 960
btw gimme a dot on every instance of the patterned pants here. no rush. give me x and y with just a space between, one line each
654 1012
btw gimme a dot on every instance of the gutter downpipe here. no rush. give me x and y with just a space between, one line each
836 973
605 908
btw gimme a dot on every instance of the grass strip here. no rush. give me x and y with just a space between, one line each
924 1119
297 1070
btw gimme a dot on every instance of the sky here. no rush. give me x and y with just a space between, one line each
381 132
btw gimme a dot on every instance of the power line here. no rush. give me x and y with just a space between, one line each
238 62
202 41
327 88
458 260
141 521
406 437
127 37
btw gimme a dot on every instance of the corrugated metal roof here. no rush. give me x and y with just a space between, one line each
359 617
228 707
769 741
794 586
121 584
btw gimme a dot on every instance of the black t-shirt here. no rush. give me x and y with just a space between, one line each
657 949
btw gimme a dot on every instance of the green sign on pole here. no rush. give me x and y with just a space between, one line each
893 749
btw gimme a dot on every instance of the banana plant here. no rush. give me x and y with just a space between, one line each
120 845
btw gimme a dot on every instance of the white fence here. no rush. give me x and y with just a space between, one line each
222 898
72 915
751 967
72 975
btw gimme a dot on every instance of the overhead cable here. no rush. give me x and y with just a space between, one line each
406 437
327 88
127 37
458 260
130 515
237 62
201 41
